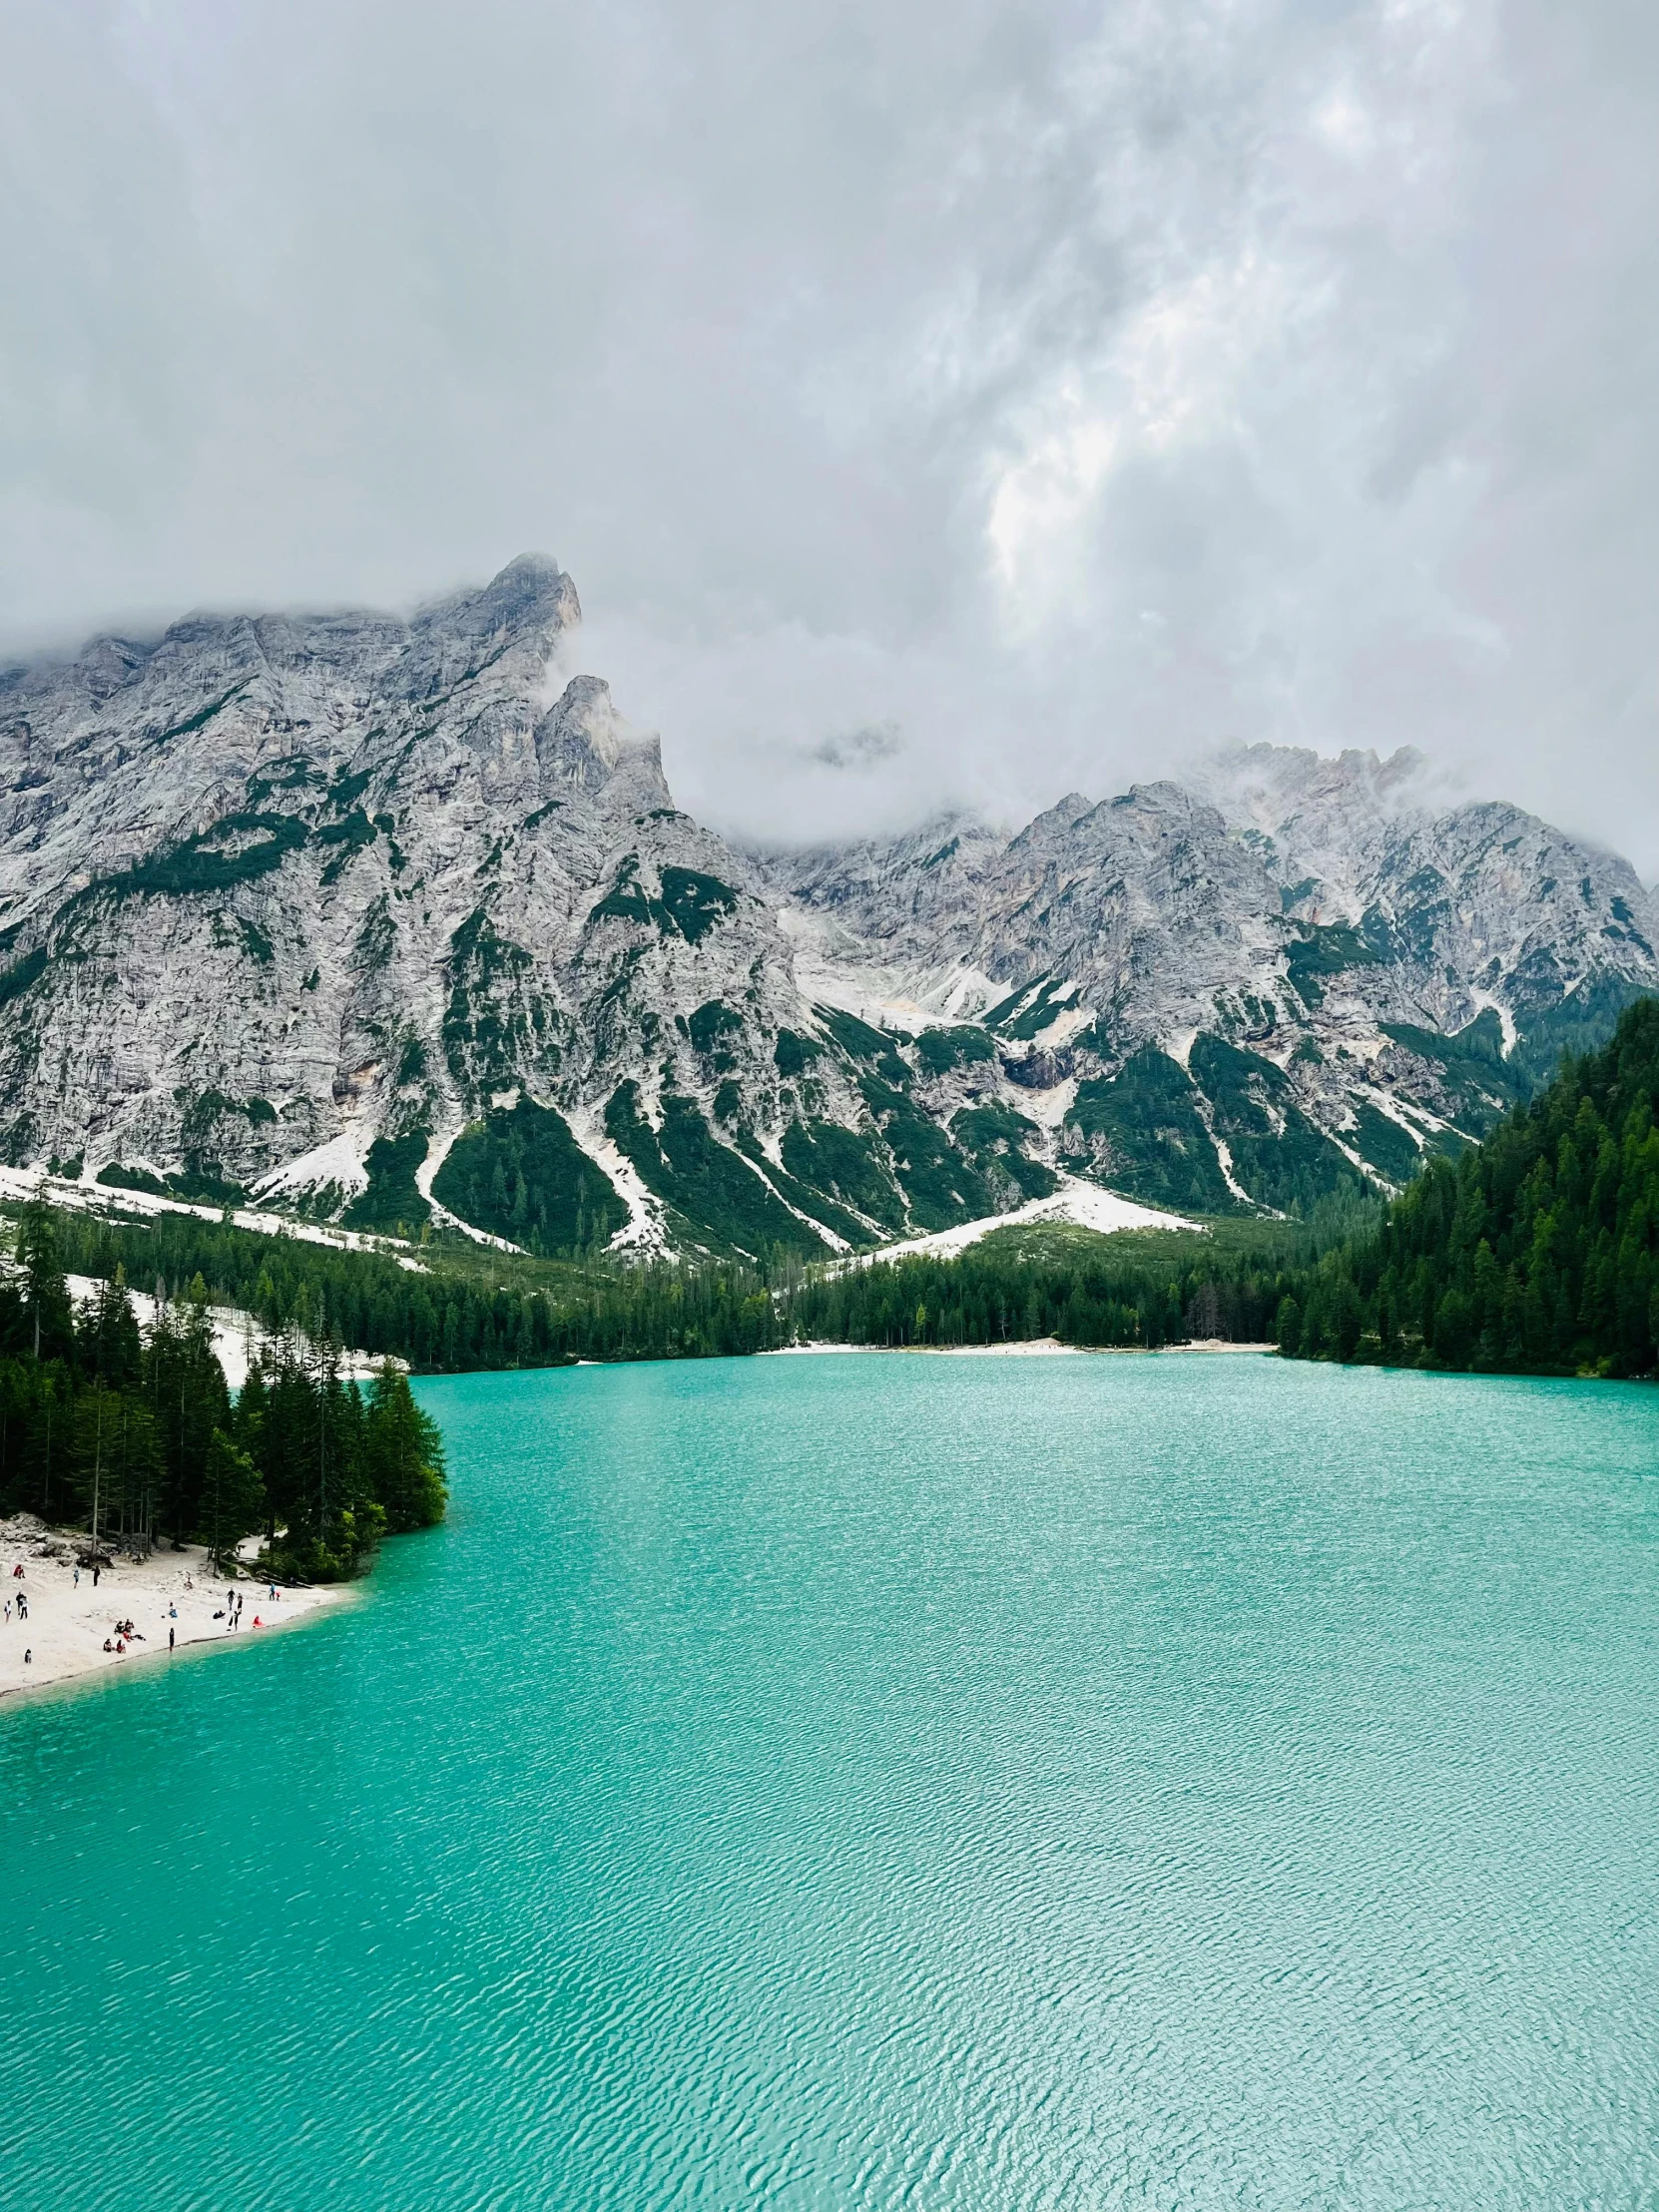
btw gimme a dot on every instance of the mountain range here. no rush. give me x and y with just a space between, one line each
383 920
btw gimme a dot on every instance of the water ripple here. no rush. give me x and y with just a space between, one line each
1174 1784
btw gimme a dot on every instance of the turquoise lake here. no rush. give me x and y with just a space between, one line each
834 1782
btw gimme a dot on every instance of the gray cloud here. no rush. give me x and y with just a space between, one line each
1067 387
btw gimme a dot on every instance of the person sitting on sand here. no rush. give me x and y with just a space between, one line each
258 1623
107 1646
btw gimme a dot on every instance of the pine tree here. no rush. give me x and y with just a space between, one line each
48 1315
402 1455
233 1503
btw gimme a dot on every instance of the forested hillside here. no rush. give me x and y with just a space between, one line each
133 1431
1534 1253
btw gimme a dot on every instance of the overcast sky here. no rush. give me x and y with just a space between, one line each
932 399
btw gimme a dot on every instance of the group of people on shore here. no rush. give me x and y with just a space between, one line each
125 1633
21 1602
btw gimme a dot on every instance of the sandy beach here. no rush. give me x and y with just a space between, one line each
67 1621
1021 1349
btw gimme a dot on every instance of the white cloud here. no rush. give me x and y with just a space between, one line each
876 365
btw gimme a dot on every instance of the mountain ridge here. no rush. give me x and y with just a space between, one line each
396 919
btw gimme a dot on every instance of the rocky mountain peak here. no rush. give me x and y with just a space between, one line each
382 913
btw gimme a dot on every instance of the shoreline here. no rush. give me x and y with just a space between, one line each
1021 1348
67 1625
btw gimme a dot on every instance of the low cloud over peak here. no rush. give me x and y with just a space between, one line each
1065 390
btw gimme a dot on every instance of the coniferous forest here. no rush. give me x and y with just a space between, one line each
131 1434
1536 1253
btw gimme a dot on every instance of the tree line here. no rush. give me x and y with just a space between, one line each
445 1318
133 1434
987 1296
1537 1252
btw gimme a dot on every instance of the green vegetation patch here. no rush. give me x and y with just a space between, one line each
1278 1156
707 1184
1323 949
1005 1007
392 1202
1392 1151
940 1185
202 715
794 1054
115 1177
496 1026
1480 1082
709 1028
993 1137
625 900
239 849
1581 1022
202 1137
848 1165
877 1047
1155 1144
810 1201
940 1050
520 1174
349 837
1049 1006
255 943
696 903
23 975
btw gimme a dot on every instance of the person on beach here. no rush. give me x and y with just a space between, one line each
28 1658
107 1646
77 1579
95 1574
172 1632
173 1612
22 1606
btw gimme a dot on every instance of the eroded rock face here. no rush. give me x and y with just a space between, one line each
271 883
1320 916
351 901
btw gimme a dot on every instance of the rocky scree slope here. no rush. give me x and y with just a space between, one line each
1294 977
383 920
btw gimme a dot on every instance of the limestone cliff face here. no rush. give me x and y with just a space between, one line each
281 887
388 916
1306 926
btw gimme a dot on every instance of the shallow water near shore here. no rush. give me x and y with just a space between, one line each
831 1783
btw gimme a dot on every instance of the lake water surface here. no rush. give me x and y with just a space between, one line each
839 1782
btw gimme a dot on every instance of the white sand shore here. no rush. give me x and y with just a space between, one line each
67 1623
1024 1349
